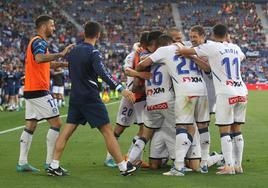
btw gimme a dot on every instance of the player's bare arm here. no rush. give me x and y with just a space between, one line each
42 58
202 62
144 64
137 86
56 65
129 95
133 73
185 51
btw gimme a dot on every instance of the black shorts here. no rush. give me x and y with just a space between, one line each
95 114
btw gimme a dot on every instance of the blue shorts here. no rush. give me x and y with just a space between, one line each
17 89
10 90
95 114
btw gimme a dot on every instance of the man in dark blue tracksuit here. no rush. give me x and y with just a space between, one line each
85 105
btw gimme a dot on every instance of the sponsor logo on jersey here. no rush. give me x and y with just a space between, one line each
234 100
192 79
154 91
233 83
158 106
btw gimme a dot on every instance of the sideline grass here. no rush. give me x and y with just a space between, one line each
85 153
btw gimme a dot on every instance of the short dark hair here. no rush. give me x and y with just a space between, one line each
43 19
220 30
198 29
92 29
144 38
153 35
164 40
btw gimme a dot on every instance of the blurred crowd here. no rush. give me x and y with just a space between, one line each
245 29
123 21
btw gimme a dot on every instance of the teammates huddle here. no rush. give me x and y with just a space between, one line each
174 96
179 98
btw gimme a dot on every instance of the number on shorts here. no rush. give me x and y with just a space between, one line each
127 112
51 103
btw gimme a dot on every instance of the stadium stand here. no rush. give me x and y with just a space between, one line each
123 20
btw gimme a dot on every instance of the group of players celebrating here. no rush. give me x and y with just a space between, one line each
187 83
169 94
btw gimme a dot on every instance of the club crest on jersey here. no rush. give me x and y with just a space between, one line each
192 79
154 91
233 83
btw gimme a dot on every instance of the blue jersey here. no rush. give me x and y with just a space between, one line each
85 65
18 76
9 78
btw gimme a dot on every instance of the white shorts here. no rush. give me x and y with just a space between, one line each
139 108
163 142
230 109
126 113
154 116
58 90
190 109
194 151
41 108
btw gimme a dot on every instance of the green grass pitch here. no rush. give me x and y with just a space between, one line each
85 153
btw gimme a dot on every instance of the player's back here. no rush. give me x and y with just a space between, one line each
159 88
84 87
225 61
186 76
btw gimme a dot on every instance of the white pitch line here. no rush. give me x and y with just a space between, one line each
43 121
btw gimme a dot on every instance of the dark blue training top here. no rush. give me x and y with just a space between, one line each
9 78
85 65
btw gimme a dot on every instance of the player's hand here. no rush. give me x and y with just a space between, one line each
180 47
139 50
178 51
145 75
129 95
67 49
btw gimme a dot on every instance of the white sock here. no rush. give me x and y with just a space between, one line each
25 143
55 164
122 166
20 102
52 136
205 144
214 159
182 146
56 102
59 102
226 147
132 144
238 149
109 156
137 150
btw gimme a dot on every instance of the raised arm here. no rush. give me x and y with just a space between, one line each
39 48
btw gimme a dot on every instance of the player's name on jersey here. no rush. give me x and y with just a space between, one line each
229 51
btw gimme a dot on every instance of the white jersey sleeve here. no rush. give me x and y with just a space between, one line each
157 56
204 49
240 53
128 62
